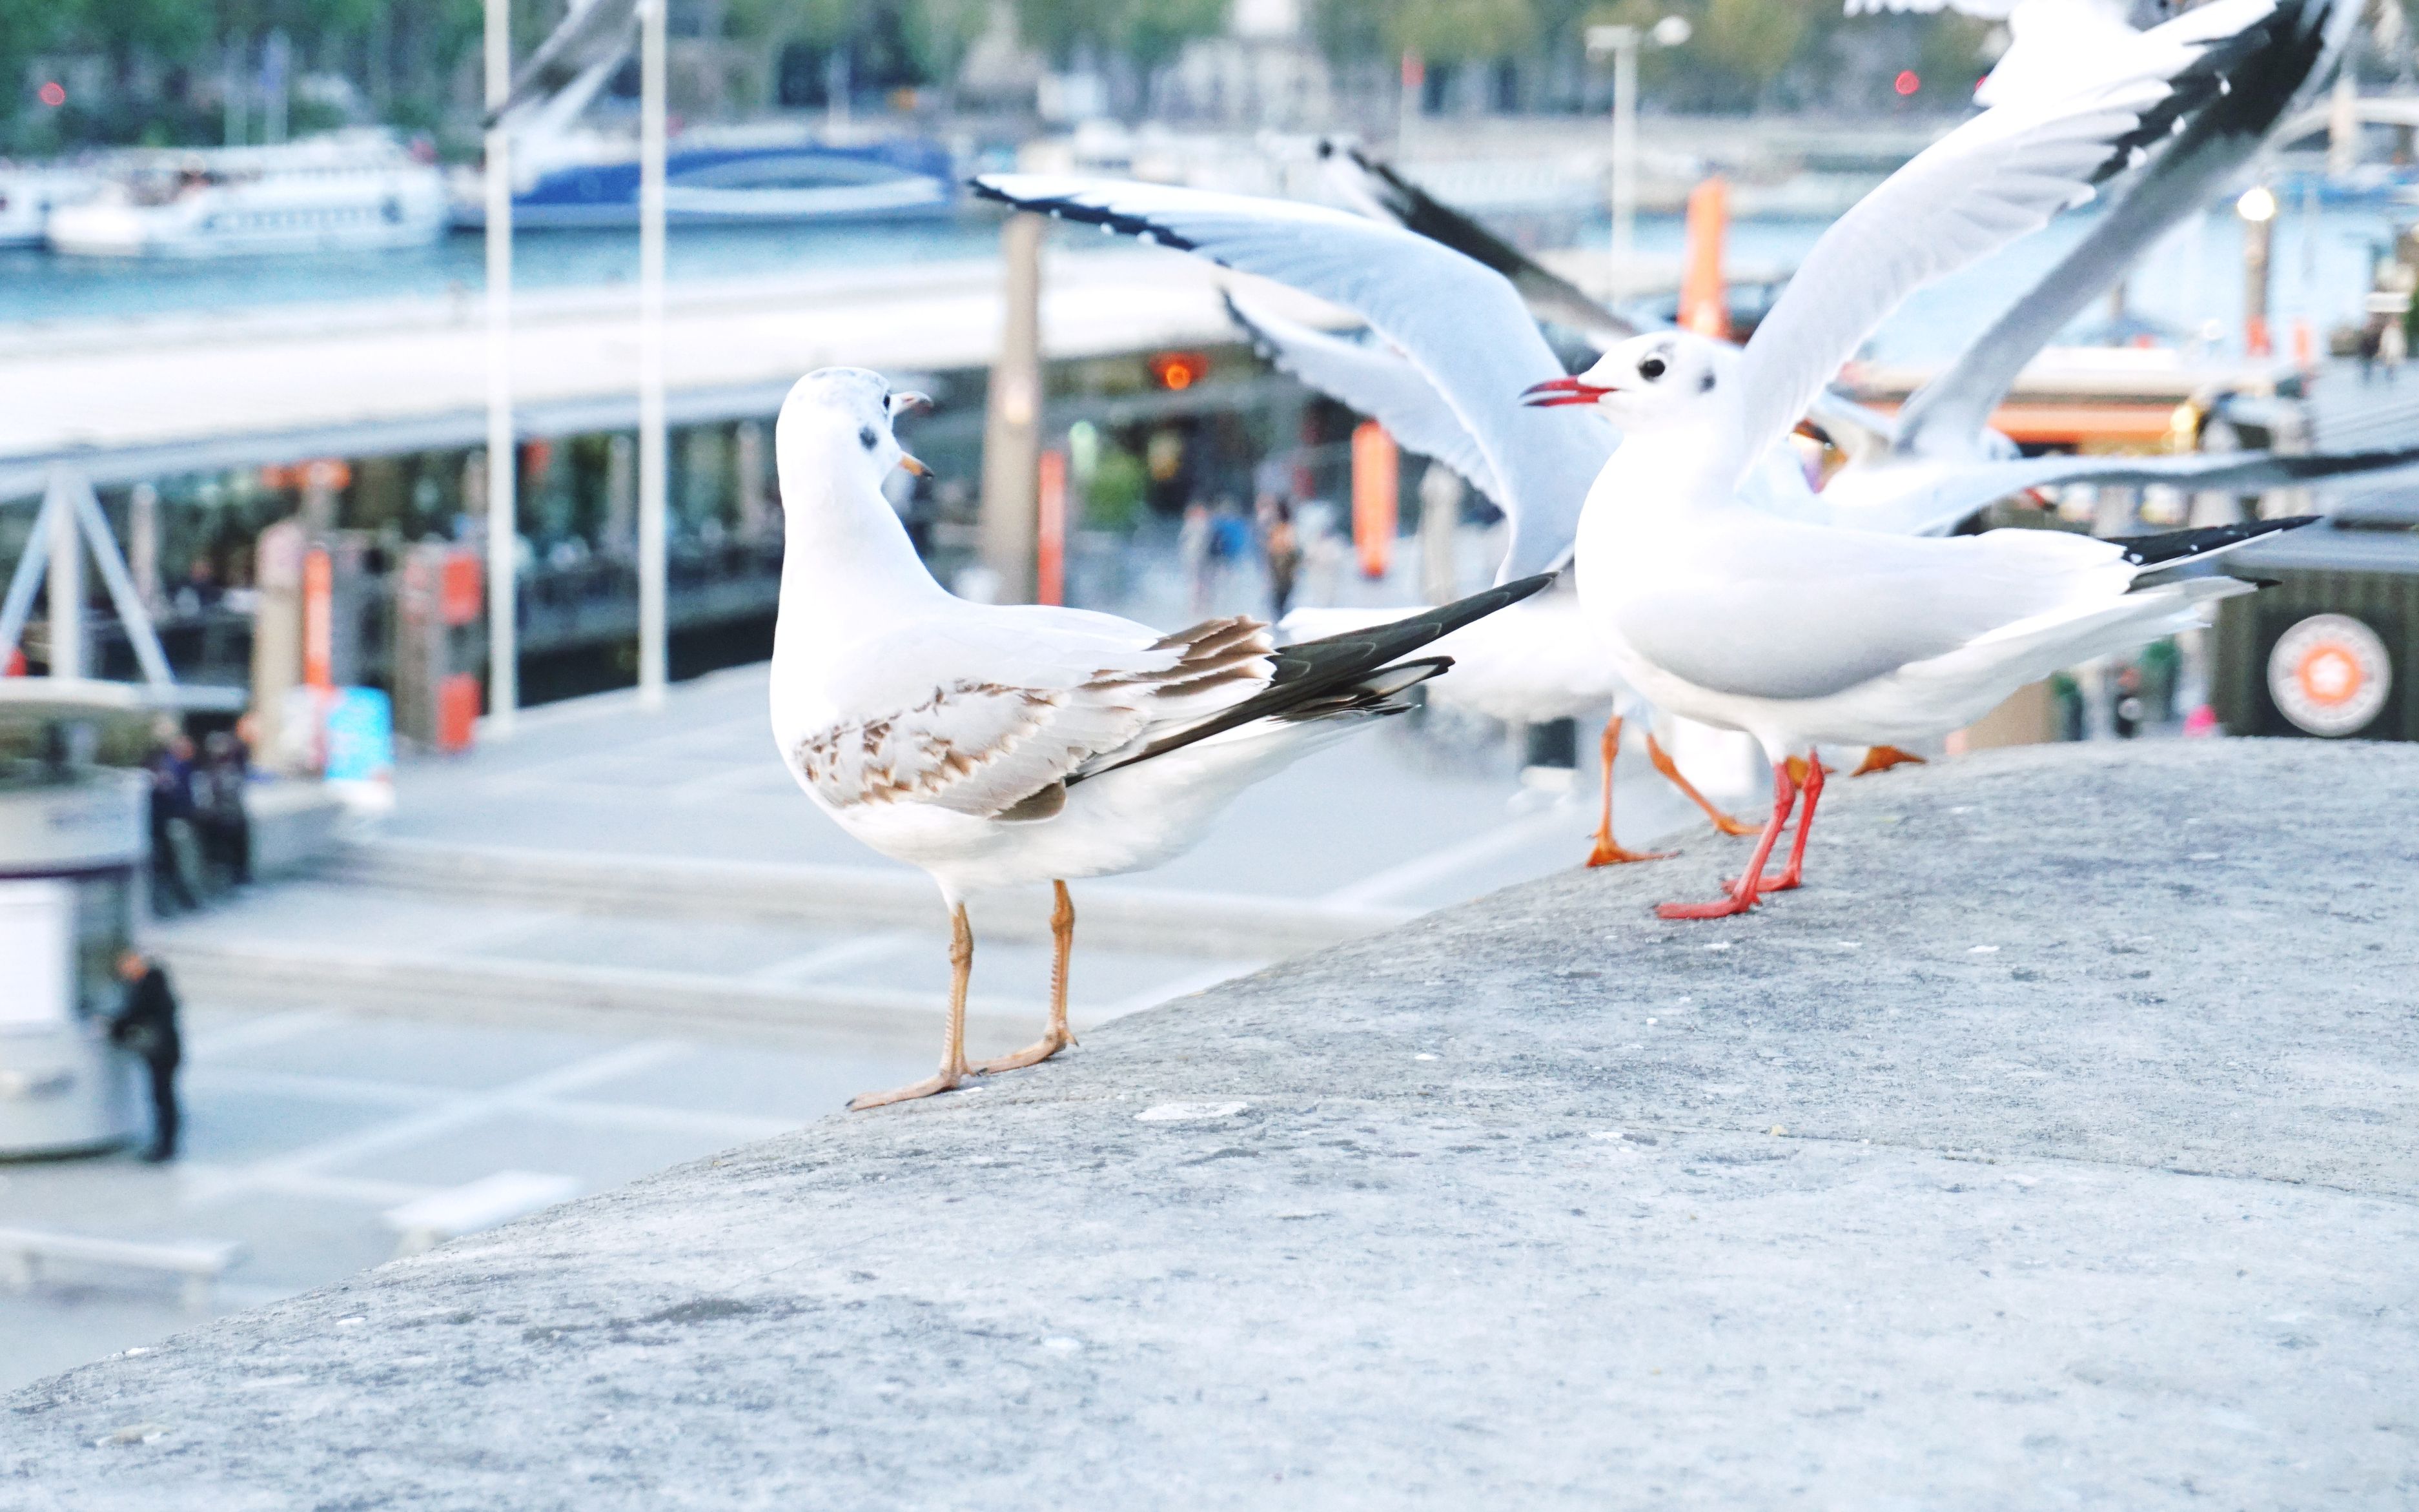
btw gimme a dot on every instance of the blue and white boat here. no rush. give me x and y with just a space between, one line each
718 176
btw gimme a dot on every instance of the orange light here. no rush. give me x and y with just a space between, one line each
1907 81
1178 371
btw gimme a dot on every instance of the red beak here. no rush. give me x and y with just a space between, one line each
1561 391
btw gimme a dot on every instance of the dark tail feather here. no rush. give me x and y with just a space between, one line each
1310 671
2184 546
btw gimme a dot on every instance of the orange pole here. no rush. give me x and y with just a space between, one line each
1374 497
1050 537
1705 303
319 619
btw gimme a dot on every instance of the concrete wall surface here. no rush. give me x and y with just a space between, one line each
2054 1147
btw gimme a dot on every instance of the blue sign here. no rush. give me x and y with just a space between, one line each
361 736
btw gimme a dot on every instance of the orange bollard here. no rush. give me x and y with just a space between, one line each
1704 302
1050 536
1375 488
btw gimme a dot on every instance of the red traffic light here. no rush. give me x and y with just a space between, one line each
1907 81
1178 371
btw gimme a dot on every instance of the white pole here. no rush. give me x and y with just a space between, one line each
503 470
1625 157
653 649
66 579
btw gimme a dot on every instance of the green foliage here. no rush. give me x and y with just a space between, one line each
1112 500
1150 32
1461 30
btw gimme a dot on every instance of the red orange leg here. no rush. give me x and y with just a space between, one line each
1795 872
1671 770
1743 893
1605 852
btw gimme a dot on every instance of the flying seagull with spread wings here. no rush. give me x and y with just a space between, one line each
2238 66
998 745
1802 636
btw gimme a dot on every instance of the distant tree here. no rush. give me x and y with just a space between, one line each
1147 32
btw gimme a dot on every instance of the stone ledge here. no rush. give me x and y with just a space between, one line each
2053 1145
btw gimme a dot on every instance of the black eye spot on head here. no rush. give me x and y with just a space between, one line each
1705 383
1651 369
865 437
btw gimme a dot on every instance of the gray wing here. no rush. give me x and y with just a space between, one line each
1383 385
1461 324
2307 38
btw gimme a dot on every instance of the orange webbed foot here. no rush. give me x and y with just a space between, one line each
1882 758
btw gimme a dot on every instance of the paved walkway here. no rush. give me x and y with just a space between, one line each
623 940
2050 1148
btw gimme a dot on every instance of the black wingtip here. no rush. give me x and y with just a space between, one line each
2184 546
1141 228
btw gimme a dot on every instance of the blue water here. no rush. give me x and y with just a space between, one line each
35 286
2191 279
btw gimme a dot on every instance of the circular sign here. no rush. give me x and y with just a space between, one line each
2330 674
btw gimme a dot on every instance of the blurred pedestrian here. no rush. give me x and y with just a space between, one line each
171 766
1230 543
1324 552
1282 549
225 824
2393 345
1194 541
146 1026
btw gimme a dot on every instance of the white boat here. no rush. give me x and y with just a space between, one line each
346 191
29 194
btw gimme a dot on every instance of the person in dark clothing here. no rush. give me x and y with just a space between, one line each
172 799
218 801
147 1026
1283 550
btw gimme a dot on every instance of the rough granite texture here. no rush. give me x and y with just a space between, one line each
2054 1147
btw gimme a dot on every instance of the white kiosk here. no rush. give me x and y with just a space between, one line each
72 851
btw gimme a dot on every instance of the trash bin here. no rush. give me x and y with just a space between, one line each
71 852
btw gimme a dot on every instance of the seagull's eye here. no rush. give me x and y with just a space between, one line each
865 437
1651 369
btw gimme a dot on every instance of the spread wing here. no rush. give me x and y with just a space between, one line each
1461 324
1377 190
1385 386
2003 174
2264 84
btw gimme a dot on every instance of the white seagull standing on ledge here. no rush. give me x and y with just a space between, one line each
1000 744
1802 635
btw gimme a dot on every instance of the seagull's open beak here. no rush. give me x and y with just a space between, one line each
908 399
914 466
1562 390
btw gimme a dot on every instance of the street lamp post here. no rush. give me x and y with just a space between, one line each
503 471
1622 42
2258 208
653 464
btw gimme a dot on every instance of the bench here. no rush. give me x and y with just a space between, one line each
426 1221
199 1261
